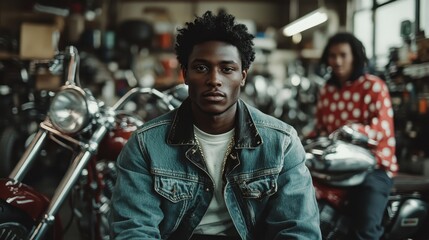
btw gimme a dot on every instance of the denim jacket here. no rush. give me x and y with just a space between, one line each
163 188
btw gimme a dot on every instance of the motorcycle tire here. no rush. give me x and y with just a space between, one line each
8 150
12 147
14 223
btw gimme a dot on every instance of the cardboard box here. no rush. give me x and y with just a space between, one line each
47 81
38 41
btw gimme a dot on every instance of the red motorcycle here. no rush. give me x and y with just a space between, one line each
95 134
341 161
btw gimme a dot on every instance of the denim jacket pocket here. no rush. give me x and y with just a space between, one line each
174 189
258 188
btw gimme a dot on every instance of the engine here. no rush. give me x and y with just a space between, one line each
333 224
404 218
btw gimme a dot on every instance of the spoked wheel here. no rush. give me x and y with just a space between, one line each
13 231
14 223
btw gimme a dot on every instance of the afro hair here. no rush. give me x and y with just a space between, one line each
210 27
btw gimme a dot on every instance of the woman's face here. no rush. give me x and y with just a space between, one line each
340 59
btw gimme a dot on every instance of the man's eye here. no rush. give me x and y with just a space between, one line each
201 68
228 69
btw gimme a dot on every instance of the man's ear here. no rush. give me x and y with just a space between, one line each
244 76
185 77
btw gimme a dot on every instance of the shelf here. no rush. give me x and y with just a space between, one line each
417 71
6 55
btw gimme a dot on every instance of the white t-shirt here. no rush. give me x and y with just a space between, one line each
217 220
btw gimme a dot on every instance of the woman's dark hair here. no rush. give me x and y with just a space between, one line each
218 28
358 50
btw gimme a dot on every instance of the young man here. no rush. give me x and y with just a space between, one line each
356 98
215 168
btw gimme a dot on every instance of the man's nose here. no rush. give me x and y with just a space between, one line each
215 78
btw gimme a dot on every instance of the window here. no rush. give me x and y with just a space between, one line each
363 29
424 17
363 4
379 2
388 20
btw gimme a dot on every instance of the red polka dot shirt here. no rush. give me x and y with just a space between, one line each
364 104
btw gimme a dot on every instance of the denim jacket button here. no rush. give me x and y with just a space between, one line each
208 189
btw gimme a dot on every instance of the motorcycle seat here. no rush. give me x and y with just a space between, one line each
403 182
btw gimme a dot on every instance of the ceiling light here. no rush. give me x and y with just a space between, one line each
296 38
308 21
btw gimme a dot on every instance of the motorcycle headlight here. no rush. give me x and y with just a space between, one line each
69 112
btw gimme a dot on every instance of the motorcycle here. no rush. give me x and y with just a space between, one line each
342 160
25 104
95 134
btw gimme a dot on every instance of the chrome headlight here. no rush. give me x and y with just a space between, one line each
69 110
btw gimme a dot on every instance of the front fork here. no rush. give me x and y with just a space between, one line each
66 184
27 159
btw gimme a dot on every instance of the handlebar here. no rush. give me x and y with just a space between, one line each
67 62
170 101
348 134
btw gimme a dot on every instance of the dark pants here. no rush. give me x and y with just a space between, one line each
367 206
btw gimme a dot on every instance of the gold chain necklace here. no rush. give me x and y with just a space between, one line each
227 152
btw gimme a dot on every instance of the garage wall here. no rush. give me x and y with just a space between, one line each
264 14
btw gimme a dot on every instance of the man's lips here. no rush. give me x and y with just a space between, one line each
214 96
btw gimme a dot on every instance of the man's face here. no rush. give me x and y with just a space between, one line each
340 59
214 76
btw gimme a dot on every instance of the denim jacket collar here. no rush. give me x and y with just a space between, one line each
182 131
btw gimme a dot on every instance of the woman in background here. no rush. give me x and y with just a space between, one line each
355 98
